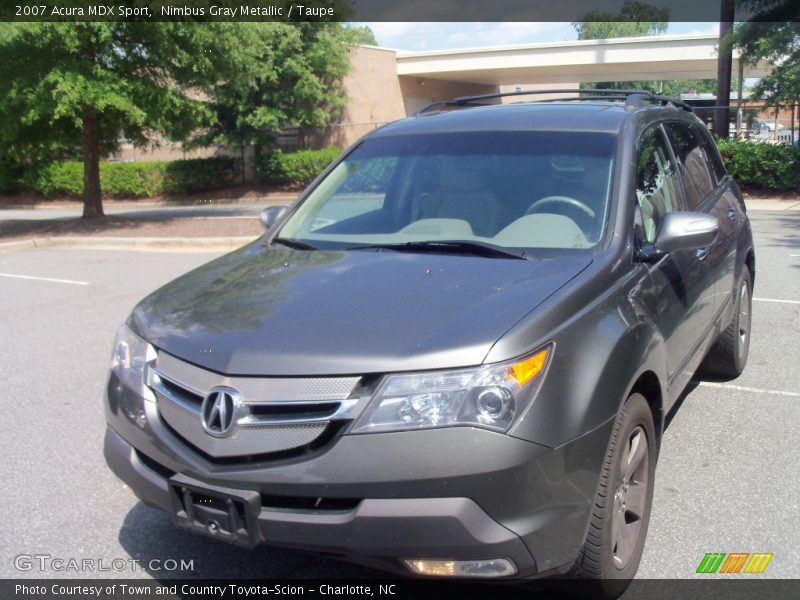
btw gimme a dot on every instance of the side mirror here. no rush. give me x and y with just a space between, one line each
682 231
270 215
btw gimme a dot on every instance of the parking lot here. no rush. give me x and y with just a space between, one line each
727 478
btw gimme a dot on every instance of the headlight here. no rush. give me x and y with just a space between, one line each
491 397
129 361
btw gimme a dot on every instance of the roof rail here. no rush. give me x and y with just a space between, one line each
633 98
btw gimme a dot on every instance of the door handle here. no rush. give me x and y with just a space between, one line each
731 214
702 253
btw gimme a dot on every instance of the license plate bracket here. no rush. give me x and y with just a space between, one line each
226 514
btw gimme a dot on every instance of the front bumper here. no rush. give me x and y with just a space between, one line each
455 493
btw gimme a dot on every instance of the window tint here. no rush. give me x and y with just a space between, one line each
362 192
656 182
710 148
698 180
533 190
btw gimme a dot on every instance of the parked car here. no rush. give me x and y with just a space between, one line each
454 354
762 126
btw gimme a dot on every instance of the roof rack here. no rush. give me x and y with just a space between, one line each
633 98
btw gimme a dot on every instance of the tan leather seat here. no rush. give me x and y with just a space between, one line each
464 193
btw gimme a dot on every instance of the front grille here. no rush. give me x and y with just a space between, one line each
275 415
253 439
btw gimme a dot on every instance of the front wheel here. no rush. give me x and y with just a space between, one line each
621 512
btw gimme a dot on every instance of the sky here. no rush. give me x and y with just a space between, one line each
445 36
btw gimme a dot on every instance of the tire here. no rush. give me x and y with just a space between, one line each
618 523
728 356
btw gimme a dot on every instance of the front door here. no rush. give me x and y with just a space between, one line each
683 288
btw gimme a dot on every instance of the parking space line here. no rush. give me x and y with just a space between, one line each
742 388
50 279
777 301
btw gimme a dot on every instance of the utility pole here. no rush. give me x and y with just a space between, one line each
724 63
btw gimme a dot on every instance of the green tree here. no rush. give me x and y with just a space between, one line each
73 88
635 19
298 85
676 87
772 35
361 35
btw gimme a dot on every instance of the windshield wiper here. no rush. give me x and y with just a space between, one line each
447 247
296 244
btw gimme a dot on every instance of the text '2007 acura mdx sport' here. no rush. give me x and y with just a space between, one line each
453 355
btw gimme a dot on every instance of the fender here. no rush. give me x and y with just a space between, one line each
601 352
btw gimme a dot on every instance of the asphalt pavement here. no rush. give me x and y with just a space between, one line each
727 477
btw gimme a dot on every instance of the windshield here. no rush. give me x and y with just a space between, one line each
520 190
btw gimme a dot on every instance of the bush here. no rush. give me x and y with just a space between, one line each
56 178
196 174
10 175
295 168
140 180
773 167
134 179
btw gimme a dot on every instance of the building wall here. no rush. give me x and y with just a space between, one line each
419 91
374 98
162 151
528 86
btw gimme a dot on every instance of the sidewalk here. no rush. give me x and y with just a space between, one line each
771 204
152 225
169 226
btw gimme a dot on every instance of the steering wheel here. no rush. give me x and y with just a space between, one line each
560 200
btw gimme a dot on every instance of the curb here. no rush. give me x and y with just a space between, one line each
266 200
143 244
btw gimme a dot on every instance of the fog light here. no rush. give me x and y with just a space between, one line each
493 567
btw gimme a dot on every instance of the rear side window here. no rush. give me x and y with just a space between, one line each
698 178
710 148
656 182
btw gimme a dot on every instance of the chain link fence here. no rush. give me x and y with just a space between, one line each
756 122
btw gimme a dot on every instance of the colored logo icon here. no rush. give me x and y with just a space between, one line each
734 562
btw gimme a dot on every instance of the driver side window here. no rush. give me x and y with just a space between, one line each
657 185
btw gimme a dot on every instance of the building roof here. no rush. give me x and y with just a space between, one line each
664 57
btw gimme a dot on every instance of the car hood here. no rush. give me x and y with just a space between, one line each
276 311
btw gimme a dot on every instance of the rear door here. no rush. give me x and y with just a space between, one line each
701 183
730 212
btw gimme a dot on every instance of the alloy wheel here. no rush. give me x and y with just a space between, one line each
744 317
630 498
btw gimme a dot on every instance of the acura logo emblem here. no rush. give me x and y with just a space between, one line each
219 411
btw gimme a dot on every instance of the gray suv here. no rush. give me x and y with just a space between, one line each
454 354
